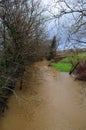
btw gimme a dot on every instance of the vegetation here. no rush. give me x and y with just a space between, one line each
66 64
63 67
72 17
81 71
22 34
52 49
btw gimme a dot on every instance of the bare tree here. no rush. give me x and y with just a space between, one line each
75 14
23 32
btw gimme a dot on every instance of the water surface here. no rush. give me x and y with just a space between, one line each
50 100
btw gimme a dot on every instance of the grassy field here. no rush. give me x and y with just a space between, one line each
65 65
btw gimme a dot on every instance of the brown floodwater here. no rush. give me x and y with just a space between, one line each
50 100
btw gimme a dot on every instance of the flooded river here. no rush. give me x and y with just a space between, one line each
50 100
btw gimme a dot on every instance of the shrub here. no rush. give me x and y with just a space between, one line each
81 71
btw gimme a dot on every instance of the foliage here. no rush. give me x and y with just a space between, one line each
52 49
2 81
53 44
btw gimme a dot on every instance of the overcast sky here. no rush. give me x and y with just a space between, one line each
53 24
49 5
60 30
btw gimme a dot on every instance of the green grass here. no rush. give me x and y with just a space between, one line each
65 65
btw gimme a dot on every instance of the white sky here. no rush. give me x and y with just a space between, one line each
47 1
51 5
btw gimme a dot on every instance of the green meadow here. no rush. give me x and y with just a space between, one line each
65 65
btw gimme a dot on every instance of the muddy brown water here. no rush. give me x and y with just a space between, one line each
50 100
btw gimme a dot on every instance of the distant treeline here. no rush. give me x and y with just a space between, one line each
71 51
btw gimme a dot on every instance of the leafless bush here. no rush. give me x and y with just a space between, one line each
81 71
22 35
